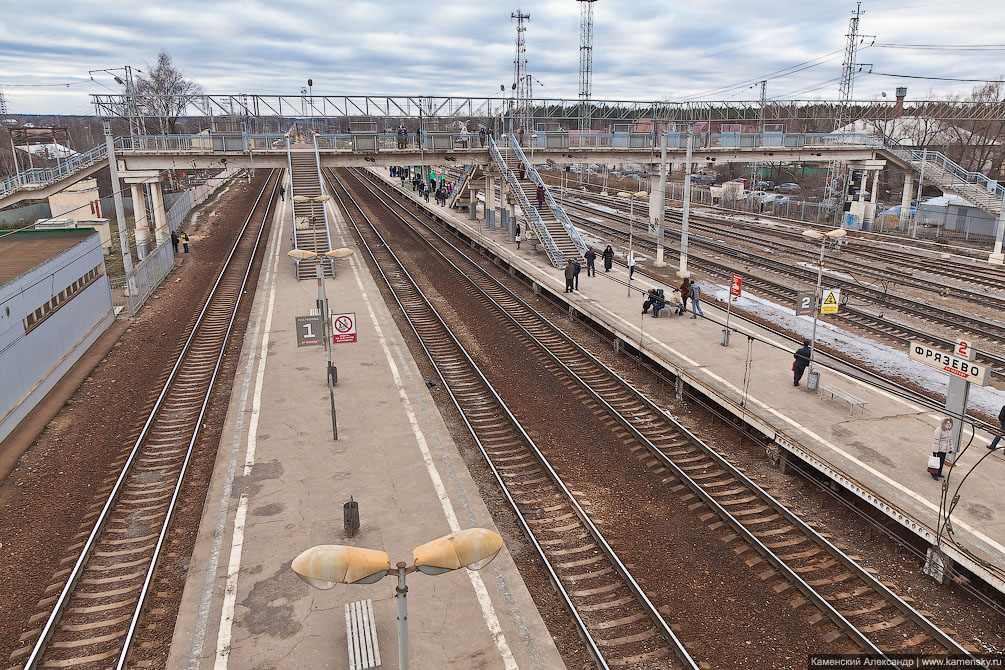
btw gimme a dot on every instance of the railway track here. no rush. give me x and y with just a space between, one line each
852 315
92 614
846 604
620 625
961 268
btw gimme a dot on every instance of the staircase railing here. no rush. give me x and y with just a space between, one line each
533 217
556 209
324 208
940 160
38 177
458 186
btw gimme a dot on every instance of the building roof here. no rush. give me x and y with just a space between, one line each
22 250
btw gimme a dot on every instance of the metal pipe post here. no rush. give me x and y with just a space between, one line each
400 596
631 240
682 272
120 211
921 187
661 201
816 303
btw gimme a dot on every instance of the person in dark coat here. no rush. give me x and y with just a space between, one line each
802 359
540 197
608 258
282 195
523 172
591 268
1001 422
651 299
174 241
517 233
481 136
685 291
577 268
570 276
660 303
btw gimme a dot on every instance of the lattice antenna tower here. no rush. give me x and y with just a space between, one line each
521 82
3 105
585 61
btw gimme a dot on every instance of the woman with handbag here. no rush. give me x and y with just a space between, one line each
942 444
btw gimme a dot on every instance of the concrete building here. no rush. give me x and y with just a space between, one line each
54 303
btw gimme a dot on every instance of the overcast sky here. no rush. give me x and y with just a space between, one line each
643 50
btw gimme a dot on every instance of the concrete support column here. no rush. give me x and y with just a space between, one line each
997 257
140 218
473 206
490 202
862 185
161 232
905 201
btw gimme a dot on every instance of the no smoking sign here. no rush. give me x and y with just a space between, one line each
343 328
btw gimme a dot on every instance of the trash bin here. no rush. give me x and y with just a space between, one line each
813 380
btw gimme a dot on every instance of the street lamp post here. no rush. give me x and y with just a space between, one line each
326 565
835 234
303 255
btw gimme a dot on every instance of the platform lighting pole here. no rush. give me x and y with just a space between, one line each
631 239
660 200
683 272
997 258
835 234
326 565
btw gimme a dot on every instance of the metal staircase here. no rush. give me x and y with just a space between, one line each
460 185
939 169
534 219
555 219
310 221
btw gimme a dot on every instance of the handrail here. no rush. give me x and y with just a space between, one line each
533 217
979 179
324 206
460 182
556 209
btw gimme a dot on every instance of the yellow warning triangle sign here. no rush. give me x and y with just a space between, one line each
830 300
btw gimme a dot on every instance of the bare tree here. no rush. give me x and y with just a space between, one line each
162 91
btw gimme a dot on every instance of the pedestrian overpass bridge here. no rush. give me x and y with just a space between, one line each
147 156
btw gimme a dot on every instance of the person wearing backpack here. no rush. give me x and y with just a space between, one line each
695 305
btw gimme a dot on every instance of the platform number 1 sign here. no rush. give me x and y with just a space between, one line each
310 330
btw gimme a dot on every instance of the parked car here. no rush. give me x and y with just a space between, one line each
765 185
788 188
772 198
706 179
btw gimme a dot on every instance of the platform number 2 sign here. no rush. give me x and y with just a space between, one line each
804 303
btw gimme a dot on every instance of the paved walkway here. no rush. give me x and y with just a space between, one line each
880 453
280 482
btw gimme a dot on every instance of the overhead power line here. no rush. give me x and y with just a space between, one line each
911 76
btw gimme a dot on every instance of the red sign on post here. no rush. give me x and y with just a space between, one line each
737 283
343 328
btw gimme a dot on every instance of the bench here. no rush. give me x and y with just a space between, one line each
852 401
361 633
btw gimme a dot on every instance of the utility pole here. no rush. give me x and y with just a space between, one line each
520 81
682 272
585 69
836 174
659 201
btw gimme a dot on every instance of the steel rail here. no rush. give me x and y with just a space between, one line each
71 581
584 517
994 361
920 620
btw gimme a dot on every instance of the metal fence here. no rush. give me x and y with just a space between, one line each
144 278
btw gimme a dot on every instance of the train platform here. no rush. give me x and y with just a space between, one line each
878 452
280 482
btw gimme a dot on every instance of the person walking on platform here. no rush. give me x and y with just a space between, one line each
174 241
685 291
608 258
591 267
540 196
425 193
942 445
696 301
577 268
1001 424
631 263
184 242
570 275
802 359
282 193
517 234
